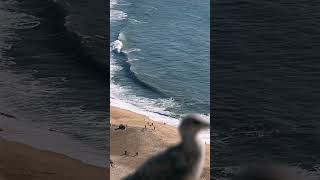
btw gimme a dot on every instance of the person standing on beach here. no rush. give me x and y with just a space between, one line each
111 163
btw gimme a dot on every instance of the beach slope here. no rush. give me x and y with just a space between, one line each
23 162
136 139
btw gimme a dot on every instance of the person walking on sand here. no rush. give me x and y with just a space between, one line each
111 163
125 153
181 162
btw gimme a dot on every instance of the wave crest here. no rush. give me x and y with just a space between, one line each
117 46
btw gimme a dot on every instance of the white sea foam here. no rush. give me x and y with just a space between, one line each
121 37
127 51
134 21
117 46
116 15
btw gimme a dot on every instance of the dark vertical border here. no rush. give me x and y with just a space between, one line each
108 84
211 87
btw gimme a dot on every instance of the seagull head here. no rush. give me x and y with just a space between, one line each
192 124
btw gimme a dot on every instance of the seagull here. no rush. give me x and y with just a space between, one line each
183 161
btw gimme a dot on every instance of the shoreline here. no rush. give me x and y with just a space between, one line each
147 142
44 138
21 161
155 117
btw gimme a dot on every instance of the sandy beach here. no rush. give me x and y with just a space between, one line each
23 162
147 142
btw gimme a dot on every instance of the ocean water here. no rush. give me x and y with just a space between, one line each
52 77
266 94
163 68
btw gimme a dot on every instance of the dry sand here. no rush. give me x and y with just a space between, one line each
146 142
22 162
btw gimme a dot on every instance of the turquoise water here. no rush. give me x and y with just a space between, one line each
163 68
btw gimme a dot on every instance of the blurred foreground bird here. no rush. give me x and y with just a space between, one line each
181 162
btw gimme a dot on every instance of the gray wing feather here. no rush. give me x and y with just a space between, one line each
169 165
